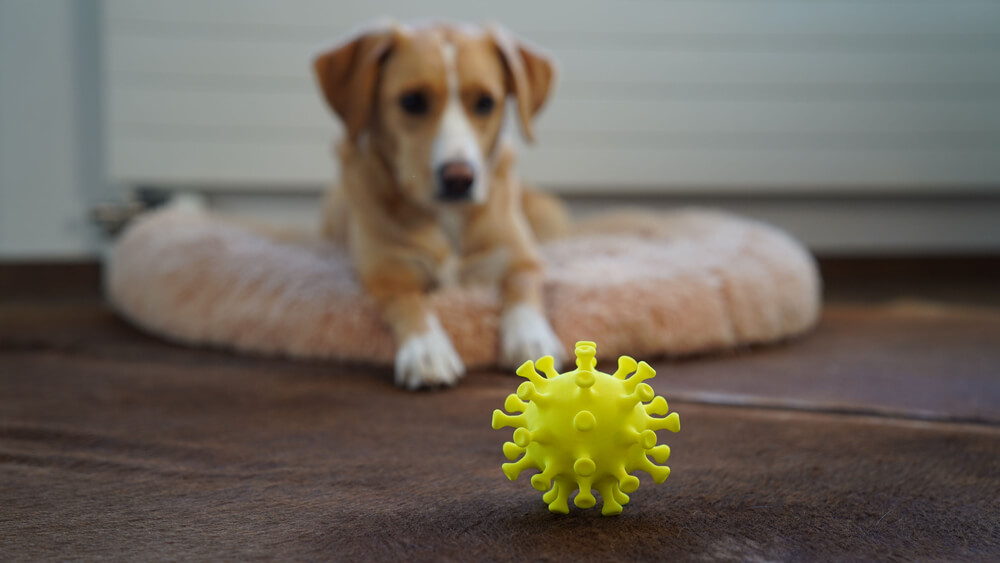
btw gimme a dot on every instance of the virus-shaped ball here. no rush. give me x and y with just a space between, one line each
586 430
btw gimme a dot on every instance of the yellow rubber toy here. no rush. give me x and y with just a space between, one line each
586 429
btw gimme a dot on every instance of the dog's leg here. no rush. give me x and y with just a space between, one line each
525 333
425 356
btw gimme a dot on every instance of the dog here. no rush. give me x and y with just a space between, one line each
428 196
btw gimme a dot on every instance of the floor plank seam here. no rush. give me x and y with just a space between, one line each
751 403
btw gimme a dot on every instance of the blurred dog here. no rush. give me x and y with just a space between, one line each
428 195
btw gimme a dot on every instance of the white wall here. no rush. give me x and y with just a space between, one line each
51 142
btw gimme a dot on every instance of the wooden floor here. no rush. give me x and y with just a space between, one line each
875 437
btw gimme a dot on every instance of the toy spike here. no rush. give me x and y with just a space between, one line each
585 379
528 392
585 355
523 436
502 420
543 481
527 371
513 404
553 492
626 365
659 472
547 365
584 421
585 498
559 502
512 470
512 450
642 393
660 453
627 483
584 466
612 505
671 423
619 496
647 439
642 373
657 407
585 430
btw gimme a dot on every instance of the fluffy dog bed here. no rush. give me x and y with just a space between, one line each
648 285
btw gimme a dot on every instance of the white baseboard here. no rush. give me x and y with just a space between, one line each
829 225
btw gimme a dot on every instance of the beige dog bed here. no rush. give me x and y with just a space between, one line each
642 284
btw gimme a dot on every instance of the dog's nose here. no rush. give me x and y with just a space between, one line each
456 179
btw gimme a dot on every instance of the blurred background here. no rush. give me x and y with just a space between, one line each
863 127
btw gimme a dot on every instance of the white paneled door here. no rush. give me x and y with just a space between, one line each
741 96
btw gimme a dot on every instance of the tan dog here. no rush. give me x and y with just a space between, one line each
428 192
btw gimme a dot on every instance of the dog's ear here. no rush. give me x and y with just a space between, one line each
348 71
530 76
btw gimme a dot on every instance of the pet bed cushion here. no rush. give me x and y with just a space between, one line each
677 283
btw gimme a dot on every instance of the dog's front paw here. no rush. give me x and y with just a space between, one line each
428 360
525 334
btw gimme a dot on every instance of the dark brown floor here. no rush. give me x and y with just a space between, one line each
876 437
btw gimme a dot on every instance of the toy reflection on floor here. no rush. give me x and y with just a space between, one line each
586 429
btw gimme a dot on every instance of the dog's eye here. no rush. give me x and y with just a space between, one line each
414 103
484 104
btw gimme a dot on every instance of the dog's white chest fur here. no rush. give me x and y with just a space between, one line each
452 224
458 268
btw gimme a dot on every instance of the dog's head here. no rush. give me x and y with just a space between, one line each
430 99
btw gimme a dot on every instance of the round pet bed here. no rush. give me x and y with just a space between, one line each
678 283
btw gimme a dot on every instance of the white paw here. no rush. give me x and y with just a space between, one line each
525 334
428 359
